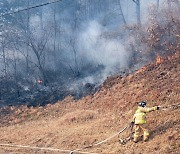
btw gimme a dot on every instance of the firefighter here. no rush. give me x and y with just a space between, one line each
139 121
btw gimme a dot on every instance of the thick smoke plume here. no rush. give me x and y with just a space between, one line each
97 49
71 47
102 51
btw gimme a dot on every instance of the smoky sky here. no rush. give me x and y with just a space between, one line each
92 36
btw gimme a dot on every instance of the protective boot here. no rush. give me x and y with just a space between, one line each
136 138
146 135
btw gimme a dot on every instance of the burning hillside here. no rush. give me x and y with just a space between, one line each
45 59
71 124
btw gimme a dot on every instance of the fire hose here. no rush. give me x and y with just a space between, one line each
122 141
103 141
131 125
163 108
168 107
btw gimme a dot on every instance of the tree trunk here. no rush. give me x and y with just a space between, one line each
138 11
177 2
28 35
39 63
169 4
55 34
121 12
41 17
5 67
15 75
157 4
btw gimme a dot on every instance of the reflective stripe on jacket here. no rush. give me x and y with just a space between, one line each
140 114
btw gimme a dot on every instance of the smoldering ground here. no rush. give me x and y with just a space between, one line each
68 47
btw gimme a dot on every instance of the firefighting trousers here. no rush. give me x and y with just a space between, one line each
137 132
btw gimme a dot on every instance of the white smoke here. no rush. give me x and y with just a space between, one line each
108 52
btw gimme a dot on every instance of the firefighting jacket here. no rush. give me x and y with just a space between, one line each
140 114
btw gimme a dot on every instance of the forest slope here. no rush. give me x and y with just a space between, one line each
72 124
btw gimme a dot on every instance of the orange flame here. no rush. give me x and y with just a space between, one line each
159 59
142 69
39 81
170 57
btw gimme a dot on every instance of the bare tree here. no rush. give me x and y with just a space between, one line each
169 4
8 37
121 12
15 67
177 2
4 44
75 69
138 11
55 34
38 47
157 4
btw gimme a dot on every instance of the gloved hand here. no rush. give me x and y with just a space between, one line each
132 122
158 107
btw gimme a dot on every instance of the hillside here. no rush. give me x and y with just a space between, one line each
72 124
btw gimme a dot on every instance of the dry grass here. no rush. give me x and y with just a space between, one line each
74 124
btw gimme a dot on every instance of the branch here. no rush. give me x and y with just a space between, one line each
135 1
29 8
